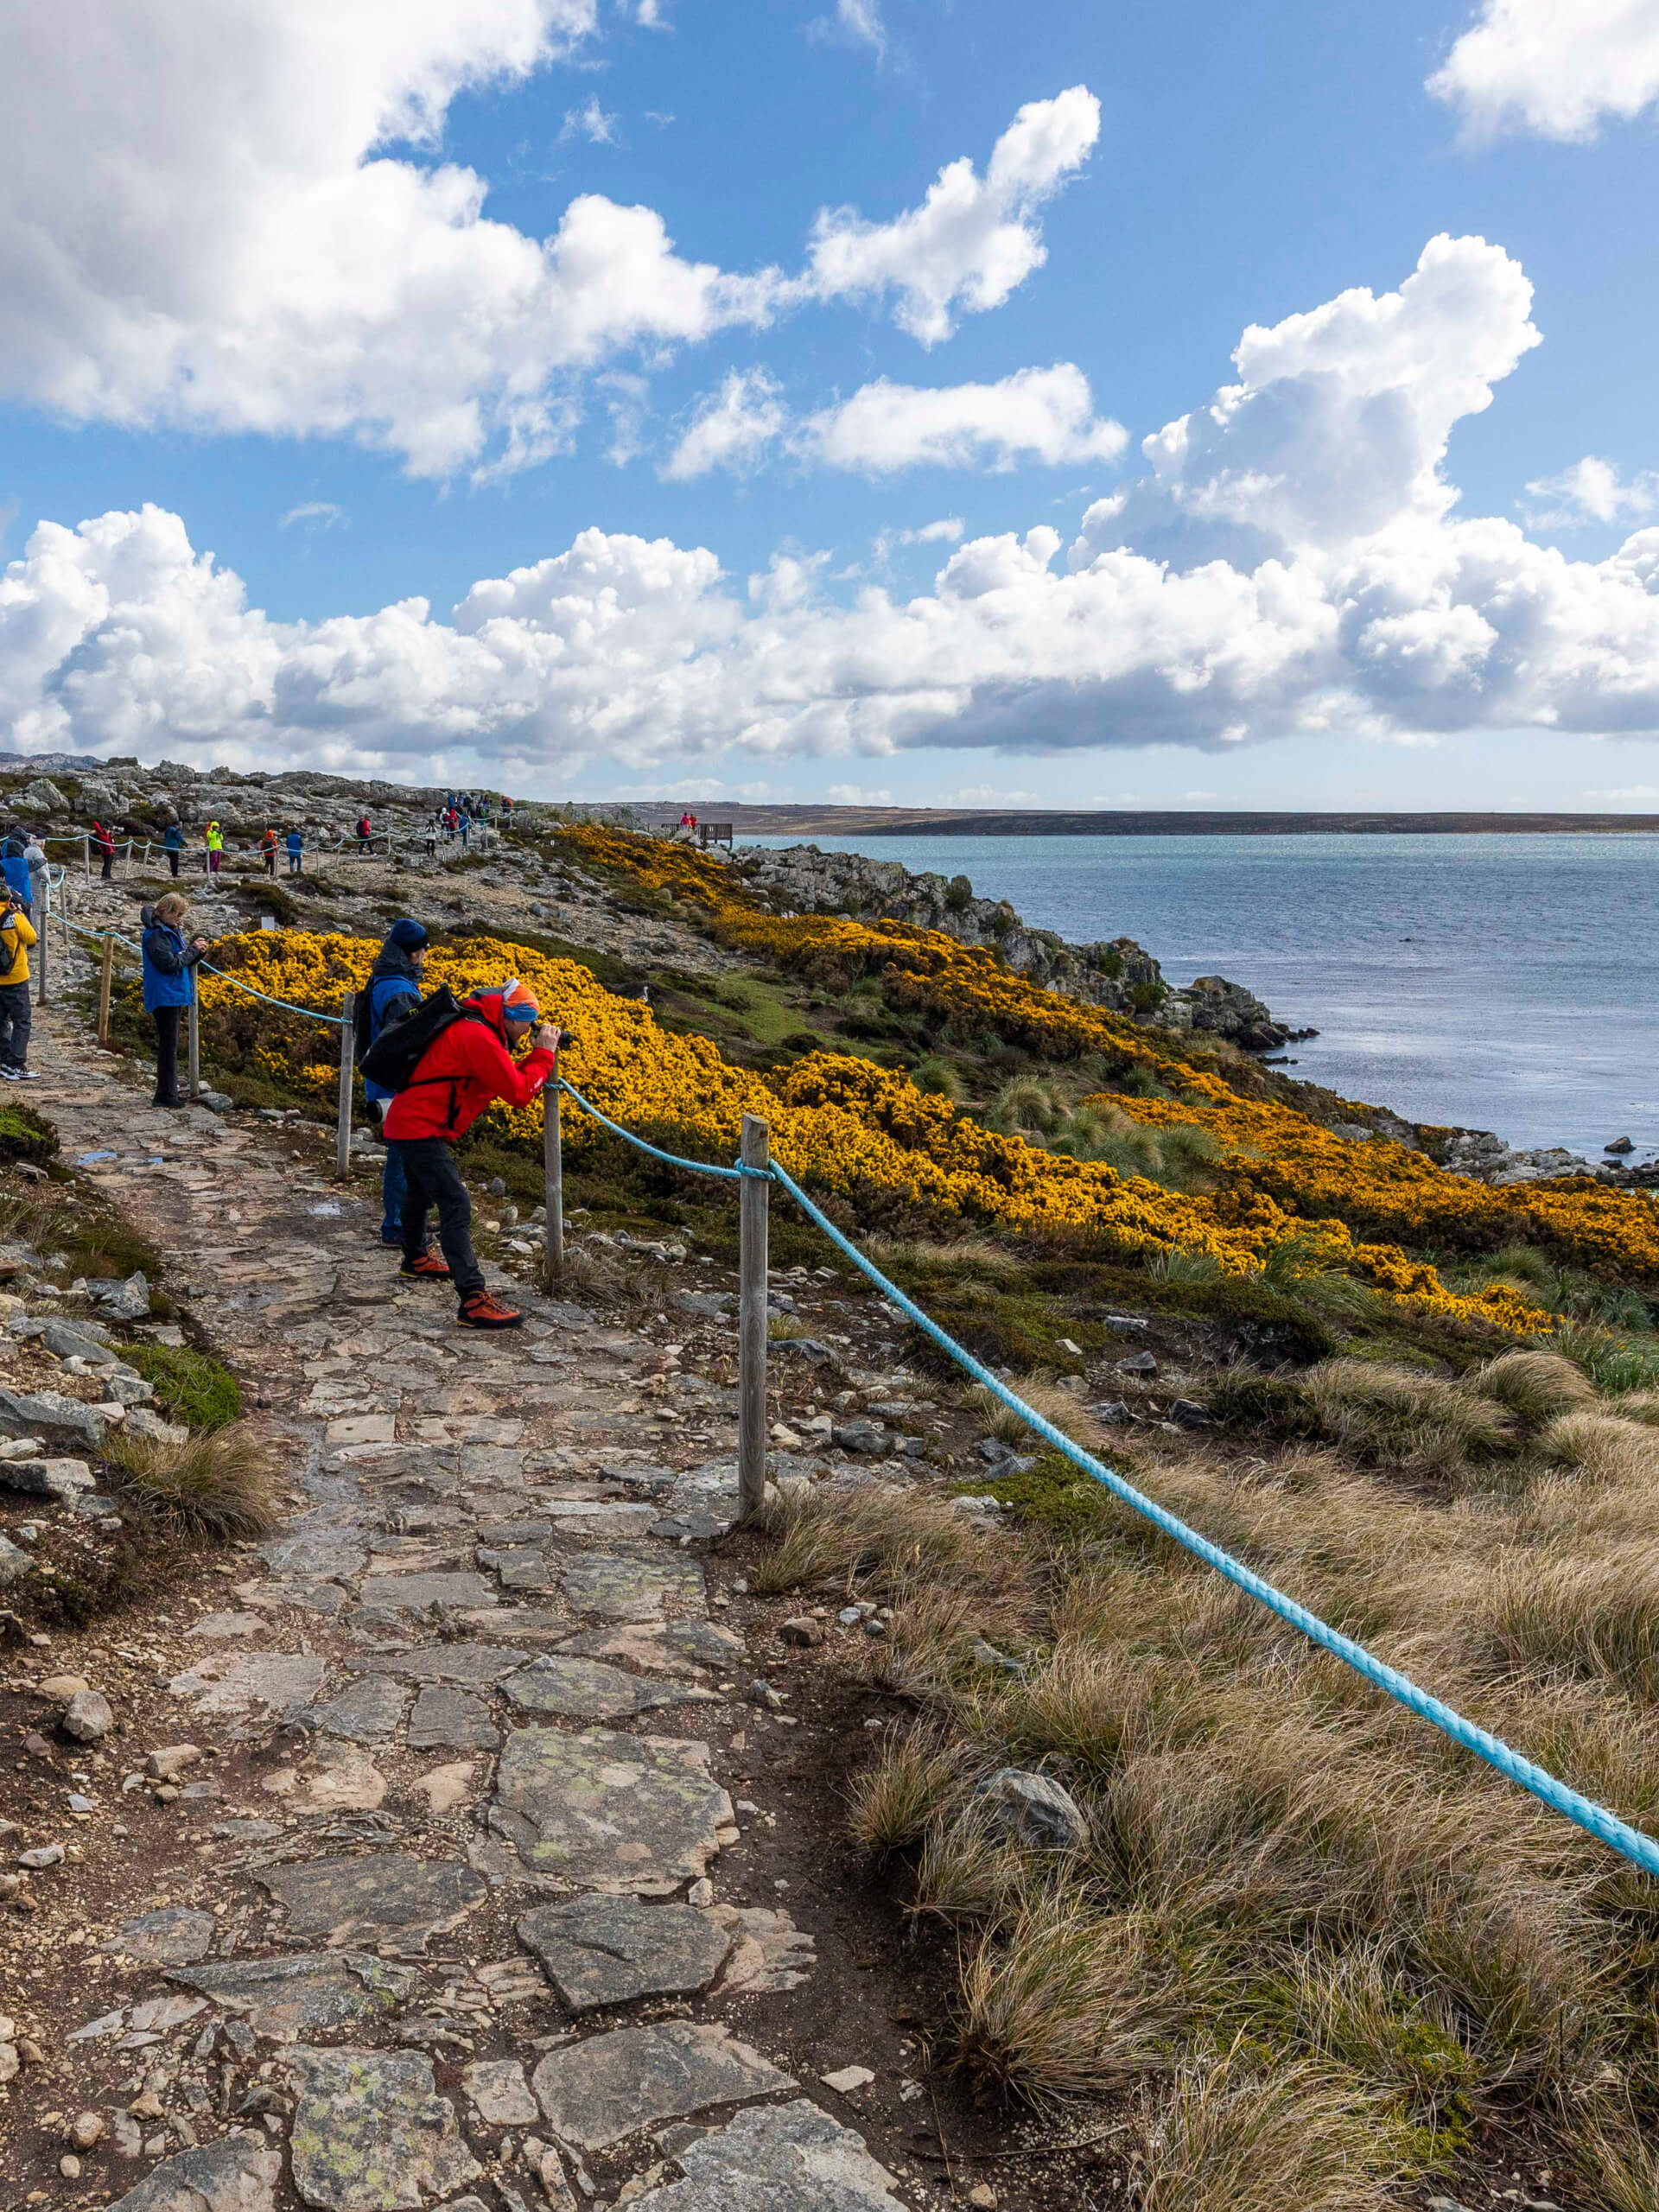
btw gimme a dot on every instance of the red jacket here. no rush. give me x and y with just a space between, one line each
467 1069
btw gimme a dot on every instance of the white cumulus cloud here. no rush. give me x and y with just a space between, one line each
270 240
1037 415
1045 415
1554 68
974 239
1591 491
1222 599
732 429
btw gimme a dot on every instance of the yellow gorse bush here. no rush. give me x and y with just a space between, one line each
839 1123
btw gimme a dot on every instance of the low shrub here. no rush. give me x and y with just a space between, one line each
213 1487
192 1388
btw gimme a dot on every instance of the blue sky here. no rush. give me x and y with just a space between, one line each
196 337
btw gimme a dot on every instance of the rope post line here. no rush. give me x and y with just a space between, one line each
756 1157
347 1069
194 1030
553 1173
105 977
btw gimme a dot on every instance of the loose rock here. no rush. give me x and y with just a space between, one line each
371 2133
596 2093
607 1950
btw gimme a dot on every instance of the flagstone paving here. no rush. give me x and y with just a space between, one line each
436 1667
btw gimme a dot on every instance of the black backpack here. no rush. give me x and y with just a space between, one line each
395 1053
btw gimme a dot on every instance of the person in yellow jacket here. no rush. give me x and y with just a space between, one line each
215 840
16 935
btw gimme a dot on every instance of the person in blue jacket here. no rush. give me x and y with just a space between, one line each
170 985
172 845
393 990
14 866
295 843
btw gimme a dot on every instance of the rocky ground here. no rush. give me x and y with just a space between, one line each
474 1838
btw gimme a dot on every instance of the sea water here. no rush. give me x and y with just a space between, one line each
1498 983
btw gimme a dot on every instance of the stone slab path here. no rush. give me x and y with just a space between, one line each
458 1932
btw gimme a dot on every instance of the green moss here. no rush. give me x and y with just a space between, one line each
193 1388
1018 1329
1052 1496
23 1135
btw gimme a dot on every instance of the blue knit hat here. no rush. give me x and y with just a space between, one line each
408 936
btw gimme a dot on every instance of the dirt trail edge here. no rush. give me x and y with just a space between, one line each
409 1871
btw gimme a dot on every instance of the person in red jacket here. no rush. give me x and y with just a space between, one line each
466 1068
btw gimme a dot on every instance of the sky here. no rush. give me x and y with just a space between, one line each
932 401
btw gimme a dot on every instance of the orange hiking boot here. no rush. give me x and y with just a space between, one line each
429 1266
480 1311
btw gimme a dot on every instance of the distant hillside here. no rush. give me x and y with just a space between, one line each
977 821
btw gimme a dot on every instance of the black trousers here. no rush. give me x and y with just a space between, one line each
15 1016
271 861
172 864
433 1181
167 1019
109 862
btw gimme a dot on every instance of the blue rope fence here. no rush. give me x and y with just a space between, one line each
309 1013
1619 1836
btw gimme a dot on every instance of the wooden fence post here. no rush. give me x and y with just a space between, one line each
754 1193
347 1069
553 1174
86 852
193 1028
105 977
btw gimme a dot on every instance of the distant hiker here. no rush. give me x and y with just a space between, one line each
14 866
214 838
465 1068
103 843
170 985
34 854
390 995
432 829
16 935
172 845
364 837
268 849
295 843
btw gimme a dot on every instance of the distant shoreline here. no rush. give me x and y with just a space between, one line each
941 822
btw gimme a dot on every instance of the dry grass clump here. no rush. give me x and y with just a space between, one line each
1397 1418
1603 1446
917 1777
1534 1385
883 1539
1596 1618
215 1486
1072 2002
906 1258
1046 1396
1235 2136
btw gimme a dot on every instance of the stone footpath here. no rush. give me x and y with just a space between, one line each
456 1931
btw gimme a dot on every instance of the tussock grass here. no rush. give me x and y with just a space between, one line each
916 1778
1046 1396
1594 1618
885 1540
909 1260
218 1485
1535 1386
1603 1446
1397 1418
1071 2004
1235 2136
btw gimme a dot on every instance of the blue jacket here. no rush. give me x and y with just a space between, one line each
15 867
295 842
385 992
172 838
169 965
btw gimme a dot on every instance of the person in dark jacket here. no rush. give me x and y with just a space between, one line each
103 843
295 841
170 985
393 991
172 845
465 1069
